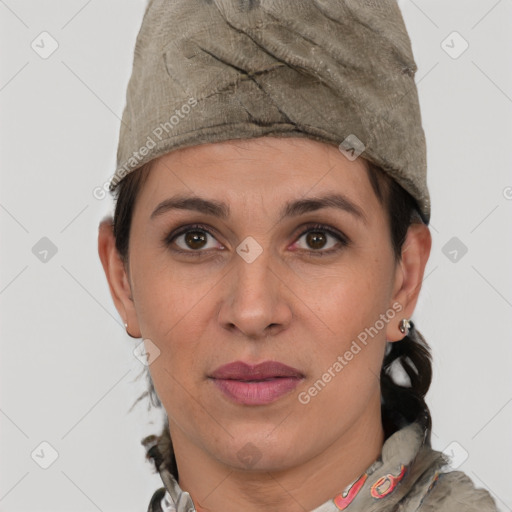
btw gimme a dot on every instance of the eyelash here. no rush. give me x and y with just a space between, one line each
343 240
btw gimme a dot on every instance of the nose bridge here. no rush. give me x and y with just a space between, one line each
253 301
253 269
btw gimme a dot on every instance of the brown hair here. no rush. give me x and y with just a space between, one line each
400 404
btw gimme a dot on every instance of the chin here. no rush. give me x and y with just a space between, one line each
262 451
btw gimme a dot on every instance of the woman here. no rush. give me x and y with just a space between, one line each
269 245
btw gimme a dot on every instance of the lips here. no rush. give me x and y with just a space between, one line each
256 384
266 370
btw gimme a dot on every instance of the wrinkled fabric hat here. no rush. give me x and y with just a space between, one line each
337 71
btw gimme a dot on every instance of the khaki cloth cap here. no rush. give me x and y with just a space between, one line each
337 71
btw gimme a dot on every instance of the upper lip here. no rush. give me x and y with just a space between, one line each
239 370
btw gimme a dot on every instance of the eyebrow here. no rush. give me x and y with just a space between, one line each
291 209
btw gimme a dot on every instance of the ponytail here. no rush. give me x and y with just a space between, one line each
160 451
404 404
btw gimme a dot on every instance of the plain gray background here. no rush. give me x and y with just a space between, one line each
68 372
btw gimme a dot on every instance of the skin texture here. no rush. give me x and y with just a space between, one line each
287 305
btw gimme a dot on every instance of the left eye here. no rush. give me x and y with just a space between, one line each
316 237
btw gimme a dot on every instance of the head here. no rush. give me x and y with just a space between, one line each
301 289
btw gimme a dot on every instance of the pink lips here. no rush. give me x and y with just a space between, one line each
256 385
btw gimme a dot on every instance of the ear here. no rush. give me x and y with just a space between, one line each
409 275
116 275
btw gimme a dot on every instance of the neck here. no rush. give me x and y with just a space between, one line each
216 487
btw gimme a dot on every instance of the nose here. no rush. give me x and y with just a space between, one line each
256 301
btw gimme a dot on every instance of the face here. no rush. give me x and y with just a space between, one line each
275 277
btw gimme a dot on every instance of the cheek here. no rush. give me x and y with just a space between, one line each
352 298
170 314
167 297
352 345
347 357
173 310
354 316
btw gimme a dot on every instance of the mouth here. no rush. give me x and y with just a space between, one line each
240 370
259 384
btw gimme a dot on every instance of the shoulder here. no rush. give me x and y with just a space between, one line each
454 491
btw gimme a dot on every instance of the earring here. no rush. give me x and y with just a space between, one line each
127 332
404 326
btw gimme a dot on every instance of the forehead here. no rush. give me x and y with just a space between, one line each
265 171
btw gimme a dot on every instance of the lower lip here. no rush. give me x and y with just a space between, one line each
256 392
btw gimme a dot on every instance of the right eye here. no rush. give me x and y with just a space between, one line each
193 238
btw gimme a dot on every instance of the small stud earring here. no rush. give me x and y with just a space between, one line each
127 332
404 326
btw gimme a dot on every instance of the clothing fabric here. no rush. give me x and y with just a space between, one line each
337 71
408 476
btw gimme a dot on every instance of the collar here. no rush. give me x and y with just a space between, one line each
406 468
